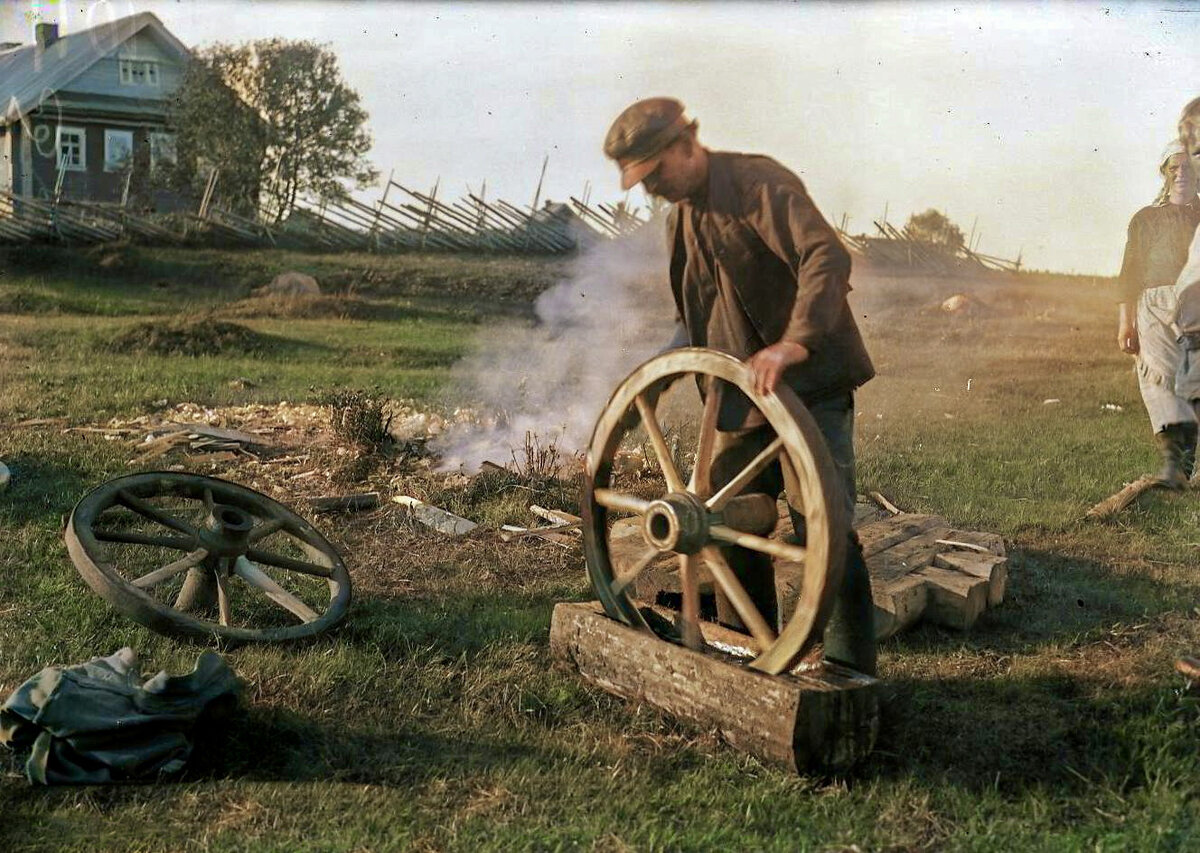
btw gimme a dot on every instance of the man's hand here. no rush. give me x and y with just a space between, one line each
1127 338
770 363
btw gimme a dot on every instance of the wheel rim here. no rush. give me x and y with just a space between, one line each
690 520
198 557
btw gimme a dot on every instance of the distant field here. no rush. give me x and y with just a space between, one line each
432 719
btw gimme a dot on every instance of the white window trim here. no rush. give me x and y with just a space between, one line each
148 67
58 155
110 133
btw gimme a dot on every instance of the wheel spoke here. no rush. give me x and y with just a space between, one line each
129 537
689 583
223 609
155 514
256 577
265 529
209 503
281 562
157 576
775 548
670 472
739 598
620 502
747 474
700 481
628 576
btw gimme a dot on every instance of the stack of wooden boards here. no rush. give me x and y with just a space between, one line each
921 567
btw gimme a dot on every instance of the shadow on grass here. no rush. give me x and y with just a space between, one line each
1052 598
42 490
1057 732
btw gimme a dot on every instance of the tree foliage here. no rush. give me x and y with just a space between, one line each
933 226
278 108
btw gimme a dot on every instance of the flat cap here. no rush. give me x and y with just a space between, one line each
641 133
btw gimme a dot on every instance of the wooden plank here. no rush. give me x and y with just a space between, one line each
435 517
824 718
989 567
955 599
899 604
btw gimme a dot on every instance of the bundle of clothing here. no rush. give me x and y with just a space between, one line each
98 722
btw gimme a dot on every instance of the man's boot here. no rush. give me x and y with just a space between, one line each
850 633
1170 447
1188 434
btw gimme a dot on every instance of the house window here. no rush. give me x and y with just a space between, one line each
118 150
162 150
139 72
71 143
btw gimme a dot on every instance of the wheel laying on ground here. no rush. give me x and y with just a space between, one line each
690 519
197 557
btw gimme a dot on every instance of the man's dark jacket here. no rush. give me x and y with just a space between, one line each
789 271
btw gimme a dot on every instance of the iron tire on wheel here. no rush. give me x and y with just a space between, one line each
799 444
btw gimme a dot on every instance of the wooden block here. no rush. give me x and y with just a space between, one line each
889 532
955 599
826 718
989 567
906 557
898 604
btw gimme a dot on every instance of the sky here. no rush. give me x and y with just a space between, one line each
1038 125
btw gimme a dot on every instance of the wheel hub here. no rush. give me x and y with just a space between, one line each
228 531
677 522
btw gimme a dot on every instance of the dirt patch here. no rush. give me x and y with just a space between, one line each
308 307
206 336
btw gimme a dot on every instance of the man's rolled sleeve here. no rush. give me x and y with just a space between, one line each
794 230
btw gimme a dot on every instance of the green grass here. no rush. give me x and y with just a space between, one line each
433 719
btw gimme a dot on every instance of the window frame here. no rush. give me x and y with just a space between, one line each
138 72
156 138
109 133
60 131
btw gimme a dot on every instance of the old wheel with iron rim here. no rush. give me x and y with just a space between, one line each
198 557
690 519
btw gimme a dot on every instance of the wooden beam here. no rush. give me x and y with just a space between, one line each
819 717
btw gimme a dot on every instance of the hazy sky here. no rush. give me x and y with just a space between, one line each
1044 120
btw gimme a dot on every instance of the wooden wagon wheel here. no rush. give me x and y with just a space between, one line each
690 520
197 557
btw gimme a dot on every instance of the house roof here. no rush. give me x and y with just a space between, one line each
29 75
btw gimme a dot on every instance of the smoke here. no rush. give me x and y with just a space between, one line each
612 312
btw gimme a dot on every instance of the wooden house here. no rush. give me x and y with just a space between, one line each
83 116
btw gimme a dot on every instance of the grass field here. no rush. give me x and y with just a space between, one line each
432 719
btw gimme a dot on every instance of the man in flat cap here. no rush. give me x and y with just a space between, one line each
756 272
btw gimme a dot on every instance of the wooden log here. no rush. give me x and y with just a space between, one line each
345 503
899 604
955 599
554 516
989 567
1117 502
435 517
826 717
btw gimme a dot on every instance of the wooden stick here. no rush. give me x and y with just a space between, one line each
555 516
968 545
885 503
